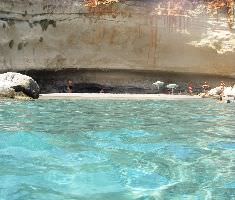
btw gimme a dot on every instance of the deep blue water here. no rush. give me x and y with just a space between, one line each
117 150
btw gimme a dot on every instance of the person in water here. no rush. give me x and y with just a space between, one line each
69 87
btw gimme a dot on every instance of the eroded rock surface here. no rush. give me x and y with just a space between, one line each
128 35
14 84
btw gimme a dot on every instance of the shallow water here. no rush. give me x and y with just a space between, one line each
143 150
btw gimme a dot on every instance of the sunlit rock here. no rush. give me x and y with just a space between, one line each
229 91
222 41
159 36
215 91
16 85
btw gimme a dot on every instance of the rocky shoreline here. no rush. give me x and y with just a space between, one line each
18 86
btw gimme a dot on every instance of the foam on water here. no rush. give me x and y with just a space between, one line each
117 150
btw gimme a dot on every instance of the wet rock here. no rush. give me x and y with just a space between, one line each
13 85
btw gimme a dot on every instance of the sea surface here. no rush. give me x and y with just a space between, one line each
117 150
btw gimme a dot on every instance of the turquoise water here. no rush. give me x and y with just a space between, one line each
117 150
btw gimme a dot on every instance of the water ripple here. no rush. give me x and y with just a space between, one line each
119 150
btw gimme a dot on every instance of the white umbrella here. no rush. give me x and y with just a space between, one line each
172 87
158 84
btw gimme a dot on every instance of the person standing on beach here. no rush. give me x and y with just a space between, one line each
190 88
222 85
205 87
221 91
69 87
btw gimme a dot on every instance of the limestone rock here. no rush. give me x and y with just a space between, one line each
129 35
229 91
12 84
215 91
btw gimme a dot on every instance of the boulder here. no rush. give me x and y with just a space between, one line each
14 84
215 91
229 91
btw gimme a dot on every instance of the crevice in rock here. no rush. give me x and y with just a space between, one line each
11 44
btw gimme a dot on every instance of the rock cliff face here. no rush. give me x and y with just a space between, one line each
128 35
